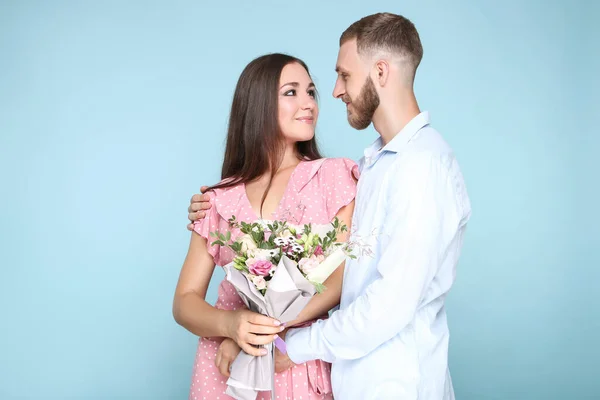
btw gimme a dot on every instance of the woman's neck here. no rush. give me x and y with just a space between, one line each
290 158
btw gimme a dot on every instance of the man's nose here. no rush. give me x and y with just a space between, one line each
338 89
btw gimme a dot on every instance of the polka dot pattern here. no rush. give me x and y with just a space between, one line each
317 190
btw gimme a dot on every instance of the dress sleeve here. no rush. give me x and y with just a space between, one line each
339 177
210 223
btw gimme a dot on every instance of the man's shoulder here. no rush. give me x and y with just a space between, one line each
426 153
428 141
428 158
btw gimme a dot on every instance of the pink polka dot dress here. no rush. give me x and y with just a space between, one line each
316 191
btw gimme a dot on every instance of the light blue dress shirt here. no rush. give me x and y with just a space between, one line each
389 338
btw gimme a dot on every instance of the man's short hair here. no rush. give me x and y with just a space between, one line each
389 33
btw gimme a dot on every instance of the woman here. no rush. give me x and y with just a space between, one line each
272 169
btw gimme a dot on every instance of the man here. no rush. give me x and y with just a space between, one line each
389 338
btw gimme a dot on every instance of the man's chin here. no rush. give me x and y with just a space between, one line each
358 125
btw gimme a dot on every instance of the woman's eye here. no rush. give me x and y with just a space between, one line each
290 93
312 93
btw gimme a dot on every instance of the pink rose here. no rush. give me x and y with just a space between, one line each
318 251
261 267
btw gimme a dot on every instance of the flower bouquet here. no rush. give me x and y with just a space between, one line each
276 269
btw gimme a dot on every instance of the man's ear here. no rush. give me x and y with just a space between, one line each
382 72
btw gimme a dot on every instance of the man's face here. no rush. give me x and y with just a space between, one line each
355 87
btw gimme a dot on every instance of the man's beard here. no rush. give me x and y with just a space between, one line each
364 106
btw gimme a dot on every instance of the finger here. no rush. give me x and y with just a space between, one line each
260 339
264 330
288 365
253 351
203 189
224 368
282 366
190 227
199 198
218 360
196 216
259 319
222 365
205 205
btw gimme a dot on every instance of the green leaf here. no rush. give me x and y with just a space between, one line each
236 247
319 287
238 267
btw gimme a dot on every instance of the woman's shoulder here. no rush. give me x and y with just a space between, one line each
223 193
337 168
325 172
334 180
227 201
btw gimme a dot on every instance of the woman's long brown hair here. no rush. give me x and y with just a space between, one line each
254 140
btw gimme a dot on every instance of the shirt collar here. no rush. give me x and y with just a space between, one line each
373 152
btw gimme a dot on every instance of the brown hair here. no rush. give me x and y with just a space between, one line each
254 144
389 32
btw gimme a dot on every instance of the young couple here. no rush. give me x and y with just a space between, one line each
389 337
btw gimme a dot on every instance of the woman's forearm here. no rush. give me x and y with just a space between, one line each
197 316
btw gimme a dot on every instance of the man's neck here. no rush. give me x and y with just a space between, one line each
392 116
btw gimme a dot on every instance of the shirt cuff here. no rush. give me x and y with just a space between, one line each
298 346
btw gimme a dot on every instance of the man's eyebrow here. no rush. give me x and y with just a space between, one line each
339 69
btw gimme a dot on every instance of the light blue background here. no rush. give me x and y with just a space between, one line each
112 114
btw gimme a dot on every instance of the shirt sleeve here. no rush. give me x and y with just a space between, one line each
422 220
209 224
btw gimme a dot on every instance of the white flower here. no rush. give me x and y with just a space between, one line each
321 230
284 234
247 243
250 262
281 241
258 281
262 254
309 264
273 252
326 266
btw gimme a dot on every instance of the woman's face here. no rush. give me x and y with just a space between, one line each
298 109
